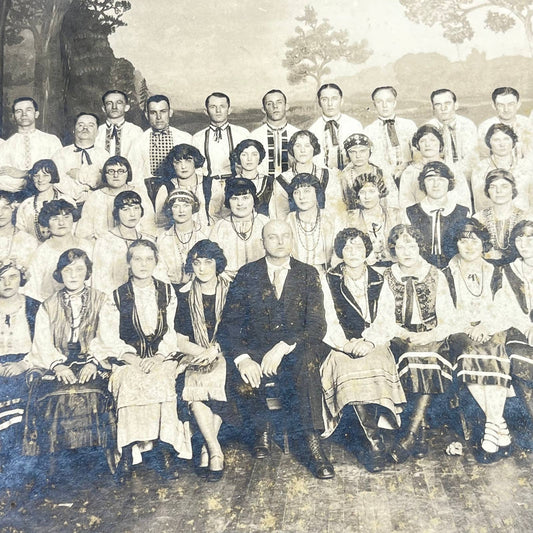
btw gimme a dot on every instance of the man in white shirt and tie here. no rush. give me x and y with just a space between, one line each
333 127
80 164
506 102
215 143
24 148
390 135
116 135
274 134
459 133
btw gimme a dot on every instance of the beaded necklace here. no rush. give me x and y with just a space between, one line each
504 232
475 278
247 233
313 232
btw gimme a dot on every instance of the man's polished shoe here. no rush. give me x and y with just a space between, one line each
421 448
403 449
318 462
261 448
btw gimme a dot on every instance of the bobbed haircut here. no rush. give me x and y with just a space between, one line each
48 167
239 187
142 242
304 133
116 160
178 195
469 227
235 157
206 249
308 180
404 229
504 128
437 92
519 230
504 91
427 129
272 91
347 234
182 151
499 174
156 98
24 99
217 95
67 258
88 114
436 168
124 199
115 91
384 88
10 263
54 208
328 86
9 197
369 178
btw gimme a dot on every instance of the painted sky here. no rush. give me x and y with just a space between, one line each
188 48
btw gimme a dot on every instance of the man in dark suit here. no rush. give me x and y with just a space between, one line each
271 331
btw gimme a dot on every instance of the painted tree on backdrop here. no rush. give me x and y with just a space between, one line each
316 45
454 16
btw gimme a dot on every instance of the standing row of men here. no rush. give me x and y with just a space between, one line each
80 164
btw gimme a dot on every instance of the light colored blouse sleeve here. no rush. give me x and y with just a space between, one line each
510 311
444 309
335 336
169 343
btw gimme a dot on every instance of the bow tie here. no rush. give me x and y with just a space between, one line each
332 126
218 131
388 120
160 132
84 153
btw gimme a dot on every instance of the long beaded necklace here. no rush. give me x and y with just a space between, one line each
313 232
245 234
182 247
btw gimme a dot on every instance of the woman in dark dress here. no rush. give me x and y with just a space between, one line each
355 372
197 324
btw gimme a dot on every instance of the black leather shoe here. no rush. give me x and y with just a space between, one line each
403 449
318 462
374 460
261 448
420 449
485 458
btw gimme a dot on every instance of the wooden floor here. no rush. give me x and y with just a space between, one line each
439 493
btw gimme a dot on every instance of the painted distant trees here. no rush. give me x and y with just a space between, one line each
454 16
316 45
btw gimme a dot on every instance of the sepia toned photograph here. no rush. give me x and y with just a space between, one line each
266 266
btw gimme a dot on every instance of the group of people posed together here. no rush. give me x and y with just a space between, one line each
155 284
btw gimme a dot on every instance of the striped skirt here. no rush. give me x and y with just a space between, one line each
13 396
423 368
372 379
520 354
482 363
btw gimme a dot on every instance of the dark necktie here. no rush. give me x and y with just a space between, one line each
436 237
332 126
84 153
409 298
218 134
390 123
449 133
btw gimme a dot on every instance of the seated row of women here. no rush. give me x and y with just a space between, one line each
406 334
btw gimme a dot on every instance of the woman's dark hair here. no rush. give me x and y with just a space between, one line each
67 258
208 250
10 199
181 151
504 128
518 231
405 229
142 242
304 133
47 166
471 226
436 168
54 208
239 187
123 199
372 179
116 160
425 130
351 233
235 157
499 174
308 180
